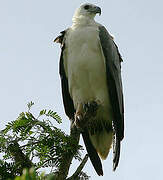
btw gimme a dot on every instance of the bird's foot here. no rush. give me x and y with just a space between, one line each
84 113
90 109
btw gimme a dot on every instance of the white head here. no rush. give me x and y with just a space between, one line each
86 11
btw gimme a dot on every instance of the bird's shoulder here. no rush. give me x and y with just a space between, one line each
61 38
108 39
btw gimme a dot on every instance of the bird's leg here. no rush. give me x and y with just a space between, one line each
84 112
79 116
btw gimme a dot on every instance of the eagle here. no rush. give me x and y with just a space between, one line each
90 72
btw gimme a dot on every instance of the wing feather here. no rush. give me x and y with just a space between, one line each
113 69
96 162
67 100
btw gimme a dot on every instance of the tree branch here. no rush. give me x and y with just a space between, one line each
63 169
79 169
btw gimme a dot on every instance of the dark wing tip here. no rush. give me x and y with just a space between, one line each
116 153
96 162
101 173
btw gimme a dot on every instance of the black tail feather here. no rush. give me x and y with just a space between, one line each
96 162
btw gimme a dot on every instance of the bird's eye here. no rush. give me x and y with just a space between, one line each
86 7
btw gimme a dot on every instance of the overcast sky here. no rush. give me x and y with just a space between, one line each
29 72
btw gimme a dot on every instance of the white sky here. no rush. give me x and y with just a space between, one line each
29 71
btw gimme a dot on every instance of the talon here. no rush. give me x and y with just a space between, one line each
78 120
79 115
84 113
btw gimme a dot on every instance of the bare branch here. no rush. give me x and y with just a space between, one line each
79 169
63 169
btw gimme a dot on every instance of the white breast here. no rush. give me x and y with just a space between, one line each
85 67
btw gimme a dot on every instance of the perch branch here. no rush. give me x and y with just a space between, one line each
79 169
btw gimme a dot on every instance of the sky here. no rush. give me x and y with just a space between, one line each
29 62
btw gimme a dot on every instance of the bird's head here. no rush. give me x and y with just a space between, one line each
86 10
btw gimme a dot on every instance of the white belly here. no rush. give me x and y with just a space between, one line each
85 69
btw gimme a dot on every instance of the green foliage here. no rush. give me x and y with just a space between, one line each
30 174
34 142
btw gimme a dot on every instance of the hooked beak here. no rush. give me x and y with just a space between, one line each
98 10
95 10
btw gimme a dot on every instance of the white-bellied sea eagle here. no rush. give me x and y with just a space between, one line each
90 71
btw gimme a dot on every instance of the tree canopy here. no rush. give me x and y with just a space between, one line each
30 143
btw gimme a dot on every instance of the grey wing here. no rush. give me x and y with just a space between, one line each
114 83
67 100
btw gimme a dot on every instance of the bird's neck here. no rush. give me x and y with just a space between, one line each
82 21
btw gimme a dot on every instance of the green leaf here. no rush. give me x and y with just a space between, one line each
29 105
43 112
31 132
54 115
